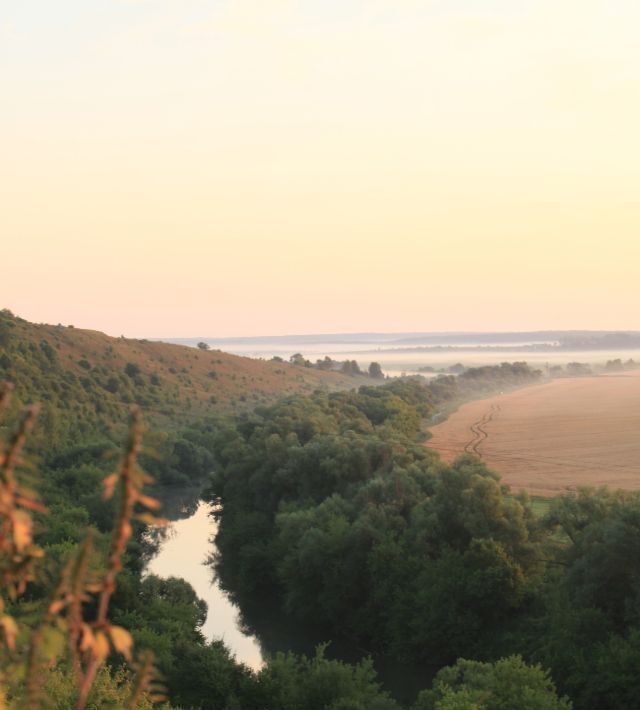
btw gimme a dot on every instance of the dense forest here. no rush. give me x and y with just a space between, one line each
337 521
334 514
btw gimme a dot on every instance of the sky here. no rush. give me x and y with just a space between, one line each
252 167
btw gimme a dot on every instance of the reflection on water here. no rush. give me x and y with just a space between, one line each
279 633
183 553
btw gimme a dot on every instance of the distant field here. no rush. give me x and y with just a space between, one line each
550 438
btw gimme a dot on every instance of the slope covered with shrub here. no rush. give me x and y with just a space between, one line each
84 379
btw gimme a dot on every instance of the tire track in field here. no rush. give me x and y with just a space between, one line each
479 432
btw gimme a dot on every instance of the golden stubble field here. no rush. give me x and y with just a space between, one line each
553 437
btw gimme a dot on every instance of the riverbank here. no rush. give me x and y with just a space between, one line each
185 552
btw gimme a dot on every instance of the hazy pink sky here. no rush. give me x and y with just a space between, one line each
293 166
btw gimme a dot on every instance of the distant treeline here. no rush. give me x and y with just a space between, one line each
618 365
472 381
346 367
566 342
583 369
571 369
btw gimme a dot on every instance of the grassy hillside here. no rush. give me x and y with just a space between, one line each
95 378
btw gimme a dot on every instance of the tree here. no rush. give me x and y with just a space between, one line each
503 685
73 630
375 371
299 359
325 364
350 367
332 509
318 683
203 346
132 369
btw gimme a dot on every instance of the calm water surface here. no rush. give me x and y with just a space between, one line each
183 554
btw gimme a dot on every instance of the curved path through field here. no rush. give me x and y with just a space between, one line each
479 432
553 437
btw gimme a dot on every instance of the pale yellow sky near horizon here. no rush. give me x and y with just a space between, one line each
245 167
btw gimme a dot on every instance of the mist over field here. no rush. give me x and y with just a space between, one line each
425 353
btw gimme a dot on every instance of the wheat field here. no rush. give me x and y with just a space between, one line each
553 437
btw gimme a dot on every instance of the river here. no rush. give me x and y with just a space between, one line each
183 553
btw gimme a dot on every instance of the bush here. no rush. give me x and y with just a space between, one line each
507 684
131 369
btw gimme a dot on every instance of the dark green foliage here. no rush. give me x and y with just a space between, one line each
7 326
291 682
588 628
330 510
508 684
92 402
132 369
48 351
330 506
182 458
165 615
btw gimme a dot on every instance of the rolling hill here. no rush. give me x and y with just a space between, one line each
96 378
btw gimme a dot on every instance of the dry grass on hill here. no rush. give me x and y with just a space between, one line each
201 372
167 380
